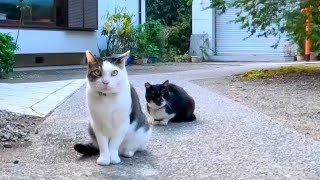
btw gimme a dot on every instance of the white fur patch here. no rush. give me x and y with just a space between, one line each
135 140
111 116
159 112
114 82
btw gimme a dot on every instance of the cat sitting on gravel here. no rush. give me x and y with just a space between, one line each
118 125
169 103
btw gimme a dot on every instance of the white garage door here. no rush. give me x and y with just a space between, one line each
230 39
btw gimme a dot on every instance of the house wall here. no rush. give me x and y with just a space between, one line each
227 39
132 6
53 41
202 23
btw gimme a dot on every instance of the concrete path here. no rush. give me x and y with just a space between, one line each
229 141
37 99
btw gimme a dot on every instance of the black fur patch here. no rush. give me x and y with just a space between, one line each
177 100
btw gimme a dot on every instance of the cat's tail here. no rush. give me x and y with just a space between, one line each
191 118
183 119
86 149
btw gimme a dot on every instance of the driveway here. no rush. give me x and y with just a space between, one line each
229 141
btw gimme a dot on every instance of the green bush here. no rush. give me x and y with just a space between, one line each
150 40
118 31
7 54
179 34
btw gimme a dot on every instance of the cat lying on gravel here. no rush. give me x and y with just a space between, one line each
169 103
118 124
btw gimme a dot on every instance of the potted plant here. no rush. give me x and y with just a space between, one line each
153 52
288 53
300 55
118 31
195 58
205 47
183 58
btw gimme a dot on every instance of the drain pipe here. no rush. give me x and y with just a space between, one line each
140 16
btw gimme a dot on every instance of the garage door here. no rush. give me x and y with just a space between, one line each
230 39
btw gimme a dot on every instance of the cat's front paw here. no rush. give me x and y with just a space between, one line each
103 160
127 153
163 123
115 159
155 123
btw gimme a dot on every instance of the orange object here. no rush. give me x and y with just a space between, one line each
307 12
307 47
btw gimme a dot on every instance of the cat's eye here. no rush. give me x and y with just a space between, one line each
97 72
114 73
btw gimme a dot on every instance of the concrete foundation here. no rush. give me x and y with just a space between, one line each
57 59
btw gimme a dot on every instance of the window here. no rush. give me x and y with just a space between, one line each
65 14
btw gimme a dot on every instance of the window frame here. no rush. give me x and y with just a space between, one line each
29 24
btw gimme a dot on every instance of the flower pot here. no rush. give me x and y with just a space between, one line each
300 58
196 59
188 60
152 59
137 61
3 16
177 59
289 58
145 60
313 57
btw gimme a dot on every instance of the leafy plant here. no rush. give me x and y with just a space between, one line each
7 48
179 34
183 58
118 31
150 39
140 42
152 50
205 47
166 11
24 9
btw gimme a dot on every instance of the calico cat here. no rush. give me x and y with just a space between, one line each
117 123
169 102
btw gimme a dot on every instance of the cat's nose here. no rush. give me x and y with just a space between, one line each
105 82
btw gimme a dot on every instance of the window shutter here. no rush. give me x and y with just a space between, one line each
90 14
75 13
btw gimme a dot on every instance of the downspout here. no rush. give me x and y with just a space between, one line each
140 16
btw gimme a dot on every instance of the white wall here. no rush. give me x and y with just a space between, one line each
54 41
132 6
201 19
202 23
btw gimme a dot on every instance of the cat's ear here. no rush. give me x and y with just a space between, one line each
147 85
121 61
90 58
166 84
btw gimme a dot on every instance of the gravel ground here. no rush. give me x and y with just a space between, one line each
15 129
292 100
228 141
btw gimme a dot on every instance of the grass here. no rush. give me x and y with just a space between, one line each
274 72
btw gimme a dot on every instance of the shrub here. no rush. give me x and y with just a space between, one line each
118 31
179 34
7 48
150 40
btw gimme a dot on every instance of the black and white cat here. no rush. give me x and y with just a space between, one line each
117 123
169 103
